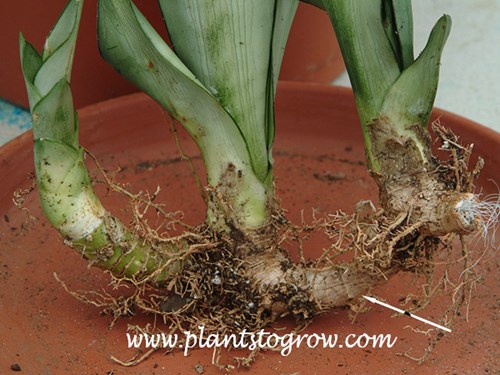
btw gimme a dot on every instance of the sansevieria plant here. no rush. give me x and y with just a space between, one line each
220 85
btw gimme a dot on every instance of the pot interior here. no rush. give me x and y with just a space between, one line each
319 165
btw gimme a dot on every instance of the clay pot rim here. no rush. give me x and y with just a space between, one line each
9 149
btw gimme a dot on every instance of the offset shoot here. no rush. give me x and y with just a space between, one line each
394 94
63 180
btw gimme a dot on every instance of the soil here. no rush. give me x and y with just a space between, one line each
319 169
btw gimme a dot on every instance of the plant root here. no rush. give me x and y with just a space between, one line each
245 280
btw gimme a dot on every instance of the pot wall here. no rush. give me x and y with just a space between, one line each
312 52
45 330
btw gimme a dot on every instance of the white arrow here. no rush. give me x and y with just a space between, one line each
374 300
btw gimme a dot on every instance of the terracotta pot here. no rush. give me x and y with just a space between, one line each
312 52
44 329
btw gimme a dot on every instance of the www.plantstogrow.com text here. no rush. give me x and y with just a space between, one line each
258 340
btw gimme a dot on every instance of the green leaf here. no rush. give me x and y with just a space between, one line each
60 167
47 81
30 64
66 194
283 17
54 117
228 44
284 14
404 29
398 25
68 19
59 52
367 53
132 46
410 99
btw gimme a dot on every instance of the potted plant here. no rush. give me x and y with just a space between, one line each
232 272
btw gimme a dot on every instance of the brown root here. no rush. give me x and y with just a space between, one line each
234 280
